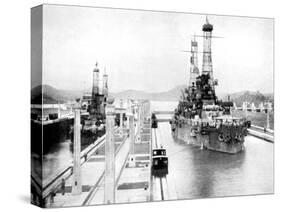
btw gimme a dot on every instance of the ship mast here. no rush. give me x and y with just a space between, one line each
194 71
105 83
207 67
95 89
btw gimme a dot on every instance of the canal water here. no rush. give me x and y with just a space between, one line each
197 173
56 150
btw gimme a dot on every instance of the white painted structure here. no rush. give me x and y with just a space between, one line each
76 183
109 181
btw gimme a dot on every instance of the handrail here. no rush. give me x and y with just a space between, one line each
88 150
261 128
261 135
71 166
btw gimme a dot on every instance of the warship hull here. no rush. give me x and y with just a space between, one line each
213 143
208 140
183 132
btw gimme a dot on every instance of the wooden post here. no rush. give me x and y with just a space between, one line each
76 183
109 184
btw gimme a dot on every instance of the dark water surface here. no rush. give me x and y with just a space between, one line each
56 149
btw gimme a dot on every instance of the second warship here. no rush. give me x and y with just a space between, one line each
201 118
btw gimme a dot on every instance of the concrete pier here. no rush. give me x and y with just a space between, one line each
134 184
76 186
131 132
109 184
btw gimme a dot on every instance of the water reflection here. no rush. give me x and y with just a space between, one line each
54 154
58 159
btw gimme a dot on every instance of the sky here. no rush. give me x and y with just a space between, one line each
142 50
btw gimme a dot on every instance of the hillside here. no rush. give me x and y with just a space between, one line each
249 96
53 95
170 95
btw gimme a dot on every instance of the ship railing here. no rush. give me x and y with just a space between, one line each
216 123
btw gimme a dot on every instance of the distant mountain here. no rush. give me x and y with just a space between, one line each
170 95
52 95
131 94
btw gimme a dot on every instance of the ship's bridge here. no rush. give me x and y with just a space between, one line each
210 111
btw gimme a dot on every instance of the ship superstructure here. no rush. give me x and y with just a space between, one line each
194 71
94 103
99 95
200 117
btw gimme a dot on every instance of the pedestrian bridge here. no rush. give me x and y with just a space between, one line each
163 116
163 112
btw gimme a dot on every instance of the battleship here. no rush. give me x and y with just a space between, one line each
200 117
93 105
57 119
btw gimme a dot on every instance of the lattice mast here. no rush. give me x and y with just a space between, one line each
95 89
194 71
207 66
